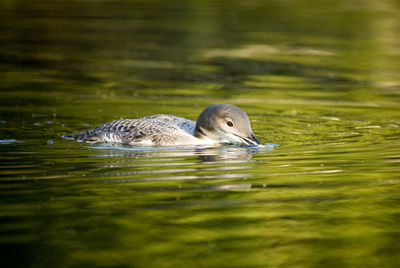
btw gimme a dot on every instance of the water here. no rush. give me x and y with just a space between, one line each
319 79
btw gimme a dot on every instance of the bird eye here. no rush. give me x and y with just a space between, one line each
229 123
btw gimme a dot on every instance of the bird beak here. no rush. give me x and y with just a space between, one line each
254 139
251 140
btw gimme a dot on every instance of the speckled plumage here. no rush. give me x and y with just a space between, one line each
154 129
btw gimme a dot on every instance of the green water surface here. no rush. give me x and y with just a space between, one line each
319 79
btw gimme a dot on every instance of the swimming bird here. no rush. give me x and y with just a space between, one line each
218 123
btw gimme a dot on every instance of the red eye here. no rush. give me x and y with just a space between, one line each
229 123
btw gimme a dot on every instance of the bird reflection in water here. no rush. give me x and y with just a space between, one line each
130 164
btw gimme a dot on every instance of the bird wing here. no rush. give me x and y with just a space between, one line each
152 130
184 124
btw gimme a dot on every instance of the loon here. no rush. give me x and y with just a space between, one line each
218 123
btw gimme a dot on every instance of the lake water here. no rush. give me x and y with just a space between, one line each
319 80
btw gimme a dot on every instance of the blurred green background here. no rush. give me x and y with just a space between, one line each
319 78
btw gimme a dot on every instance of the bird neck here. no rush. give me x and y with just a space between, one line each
199 132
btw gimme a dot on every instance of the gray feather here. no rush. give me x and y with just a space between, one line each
156 129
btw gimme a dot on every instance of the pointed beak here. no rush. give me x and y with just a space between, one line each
254 139
251 140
